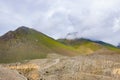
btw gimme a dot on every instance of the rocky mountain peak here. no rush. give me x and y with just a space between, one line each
12 34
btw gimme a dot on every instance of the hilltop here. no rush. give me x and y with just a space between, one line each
87 46
23 49
26 43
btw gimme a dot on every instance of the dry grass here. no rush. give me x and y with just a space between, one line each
28 70
91 67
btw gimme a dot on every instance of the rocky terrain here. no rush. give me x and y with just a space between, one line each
7 74
26 54
85 67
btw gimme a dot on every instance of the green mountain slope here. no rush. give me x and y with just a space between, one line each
25 43
87 46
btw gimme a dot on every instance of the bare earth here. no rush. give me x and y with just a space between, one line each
92 67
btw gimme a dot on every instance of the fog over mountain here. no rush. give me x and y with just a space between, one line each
94 19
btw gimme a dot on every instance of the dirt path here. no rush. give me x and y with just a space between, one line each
50 65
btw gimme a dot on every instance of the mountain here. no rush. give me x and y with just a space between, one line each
26 43
118 45
88 46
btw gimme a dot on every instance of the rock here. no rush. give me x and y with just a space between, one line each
7 74
90 67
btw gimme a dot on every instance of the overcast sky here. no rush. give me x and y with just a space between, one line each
94 19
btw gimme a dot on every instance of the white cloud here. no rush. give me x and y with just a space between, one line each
95 19
116 26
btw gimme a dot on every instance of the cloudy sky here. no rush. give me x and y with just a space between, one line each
94 19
